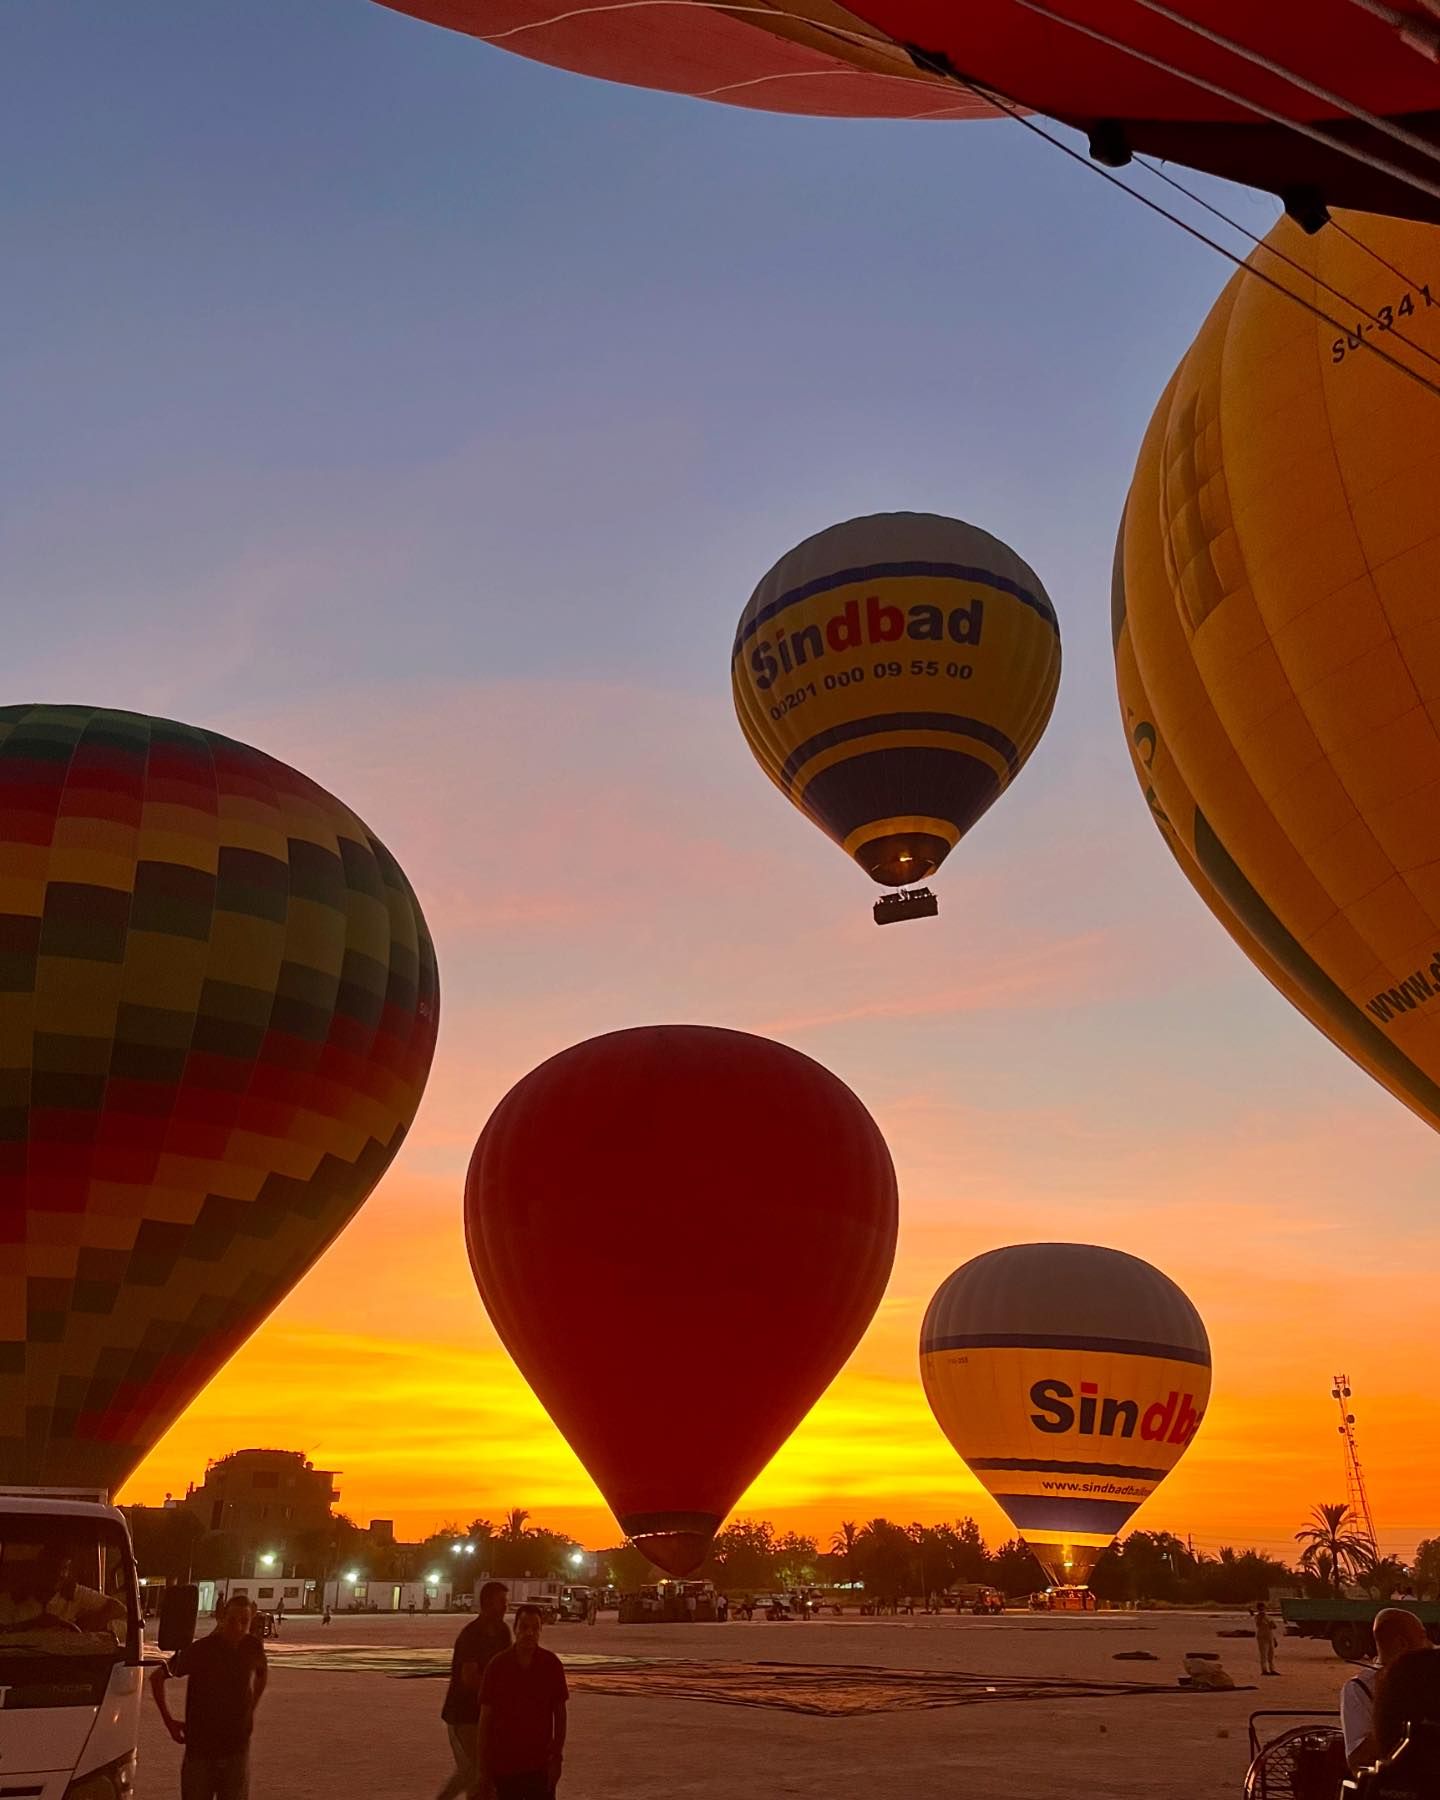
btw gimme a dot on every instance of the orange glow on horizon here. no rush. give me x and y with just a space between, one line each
1072 1050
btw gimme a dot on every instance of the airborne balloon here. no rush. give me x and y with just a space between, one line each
891 676
217 1014
680 1234
1277 637
1071 1379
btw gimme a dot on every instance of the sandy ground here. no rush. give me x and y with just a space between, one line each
902 1710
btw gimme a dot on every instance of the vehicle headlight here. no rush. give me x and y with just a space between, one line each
116 1781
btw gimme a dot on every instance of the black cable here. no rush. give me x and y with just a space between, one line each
1299 267
1370 250
1013 110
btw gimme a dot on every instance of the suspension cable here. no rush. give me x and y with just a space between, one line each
940 68
1299 267
1370 250
1355 152
1013 110
1376 121
1417 33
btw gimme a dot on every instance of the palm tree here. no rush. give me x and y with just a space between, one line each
842 1544
1335 1544
513 1530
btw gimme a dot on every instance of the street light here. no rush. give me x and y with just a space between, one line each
577 1557
352 1576
268 1559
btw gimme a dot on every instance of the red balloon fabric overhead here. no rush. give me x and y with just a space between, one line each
1204 83
785 56
1143 75
680 1234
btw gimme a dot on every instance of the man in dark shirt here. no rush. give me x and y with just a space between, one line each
484 1637
522 1715
227 1675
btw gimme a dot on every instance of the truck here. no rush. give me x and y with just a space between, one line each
1346 1623
974 1597
526 1590
72 1650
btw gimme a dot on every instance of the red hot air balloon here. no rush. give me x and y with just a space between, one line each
789 56
1320 101
630 1209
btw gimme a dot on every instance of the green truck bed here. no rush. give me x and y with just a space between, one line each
1346 1623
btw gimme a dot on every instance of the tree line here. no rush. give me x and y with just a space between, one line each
880 1558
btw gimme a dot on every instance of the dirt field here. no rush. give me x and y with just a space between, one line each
847 1709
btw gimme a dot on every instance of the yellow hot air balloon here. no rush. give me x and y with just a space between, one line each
891 676
1071 1379
1277 635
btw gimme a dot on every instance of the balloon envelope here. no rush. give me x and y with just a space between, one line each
1161 86
1153 86
1277 640
217 1014
787 56
891 676
680 1234
1071 1379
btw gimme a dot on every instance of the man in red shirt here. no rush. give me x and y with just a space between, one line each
523 1697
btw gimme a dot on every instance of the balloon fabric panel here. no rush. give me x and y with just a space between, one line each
1058 70
639 1210
218 1005
816 57
1278 653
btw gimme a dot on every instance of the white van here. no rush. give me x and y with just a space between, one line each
71 1647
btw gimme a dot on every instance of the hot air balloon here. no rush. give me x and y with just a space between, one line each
891 676
636 1209
1071 1379
1277 637
1320 101
219 1008
797 56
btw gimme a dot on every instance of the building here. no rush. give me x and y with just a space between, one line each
353 1591
264 1499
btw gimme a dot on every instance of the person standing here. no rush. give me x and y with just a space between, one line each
1396 1632
227 1673
1265 1639
484 1637
523 1700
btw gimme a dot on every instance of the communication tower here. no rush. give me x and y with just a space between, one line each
1354 1476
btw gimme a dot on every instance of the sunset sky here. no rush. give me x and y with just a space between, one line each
426 417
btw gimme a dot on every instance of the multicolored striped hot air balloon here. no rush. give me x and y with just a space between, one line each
1071 1379
891 676
218 1006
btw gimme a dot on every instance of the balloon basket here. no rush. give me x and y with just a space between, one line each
909 903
